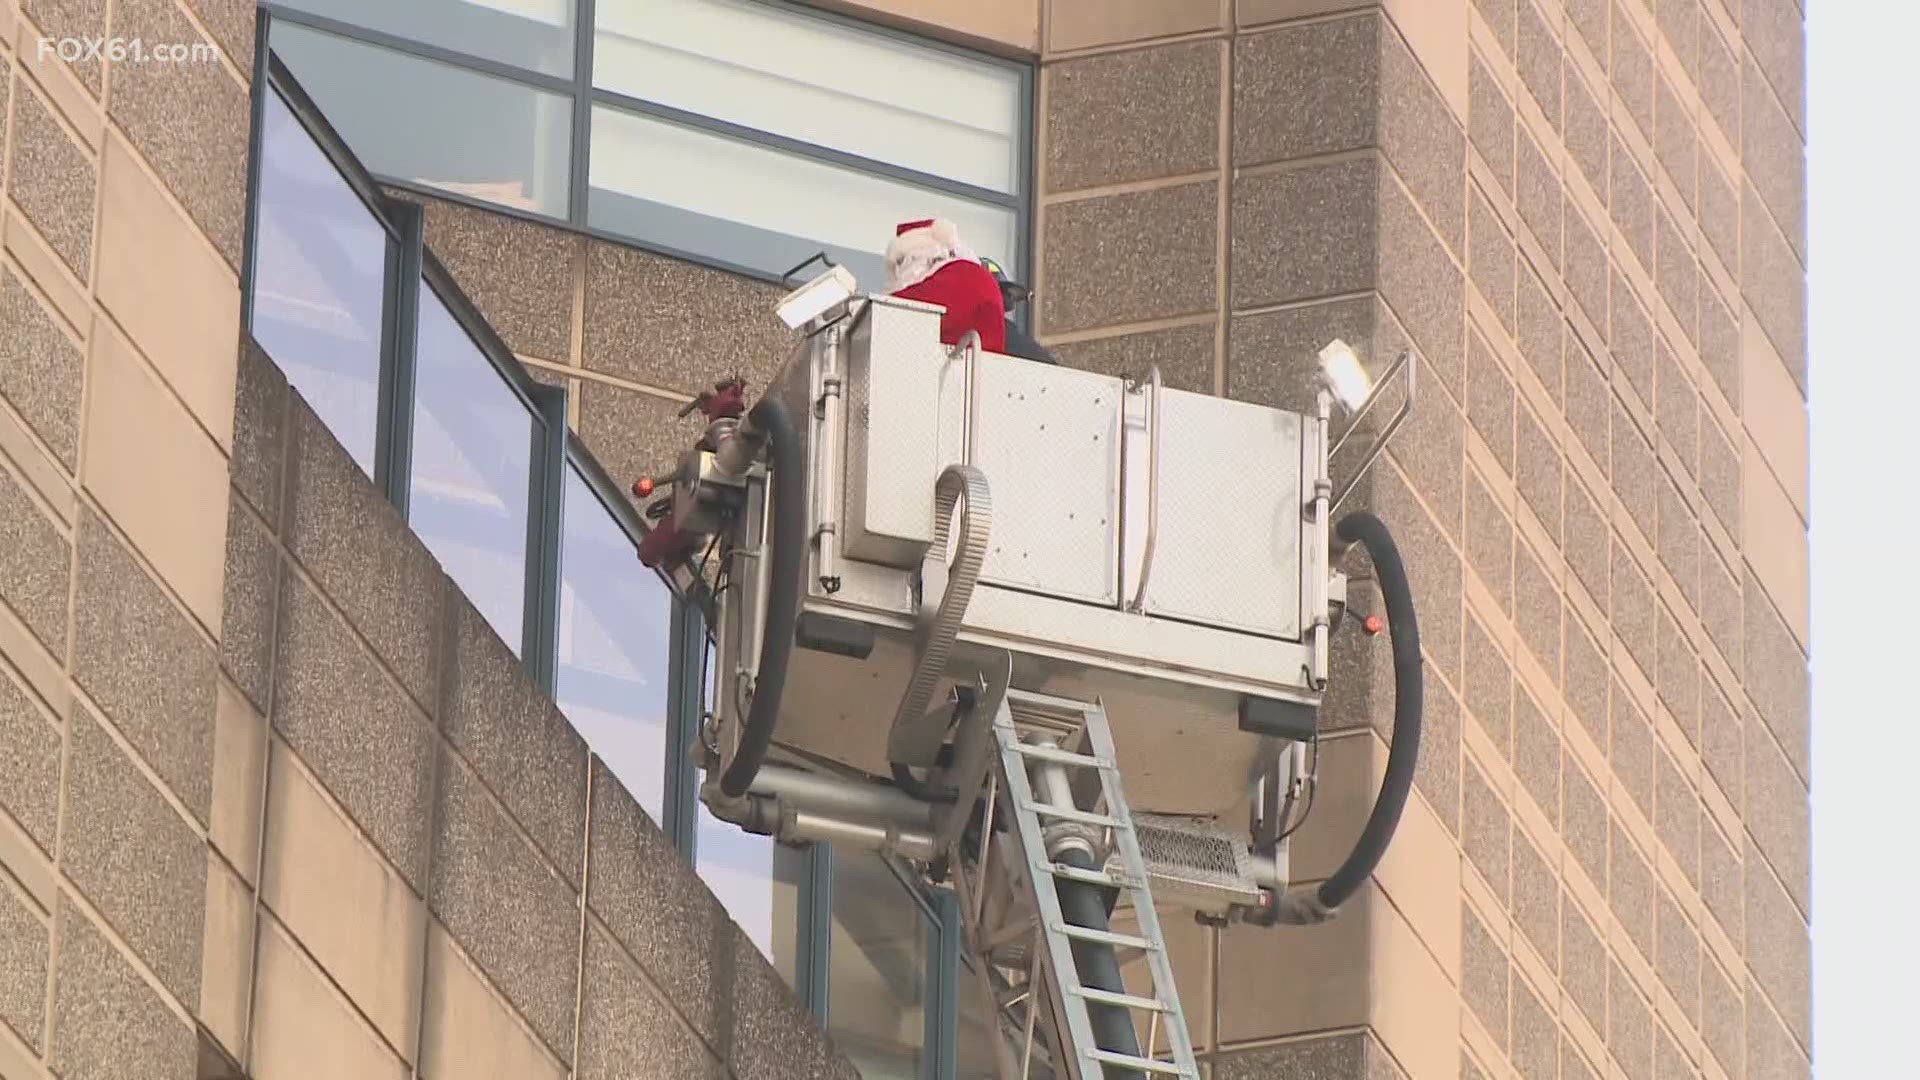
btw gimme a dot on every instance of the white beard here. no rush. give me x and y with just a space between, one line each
915 256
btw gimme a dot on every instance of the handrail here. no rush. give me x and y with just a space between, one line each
968 349
1139 601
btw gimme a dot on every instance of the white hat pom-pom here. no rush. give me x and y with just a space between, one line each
915 253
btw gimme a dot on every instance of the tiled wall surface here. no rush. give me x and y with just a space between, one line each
265 806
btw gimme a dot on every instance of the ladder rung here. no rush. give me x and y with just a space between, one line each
1064 813
1107 937
1051 701
1124 1001
1091 877
1151 1065
1063 757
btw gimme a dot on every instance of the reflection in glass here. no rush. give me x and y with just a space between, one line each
472 462
434 124
616 621
758 882
319 284
697 192
818 81
536 34
880 956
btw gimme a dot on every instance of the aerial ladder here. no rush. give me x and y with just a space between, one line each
1055 639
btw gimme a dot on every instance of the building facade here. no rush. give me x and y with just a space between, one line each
341 735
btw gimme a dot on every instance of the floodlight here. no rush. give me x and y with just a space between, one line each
1349 381
817 297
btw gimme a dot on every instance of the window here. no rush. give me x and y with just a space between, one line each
824 83
744 133
371 331
976 1033
320 291
746 205
433 124
533 34
614 646
880 958
760 883
473 440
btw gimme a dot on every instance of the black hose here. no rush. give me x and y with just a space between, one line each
1087 905
787 563
1404 752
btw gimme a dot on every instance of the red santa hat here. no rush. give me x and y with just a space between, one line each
921 247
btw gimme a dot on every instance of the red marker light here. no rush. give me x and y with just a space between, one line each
1374 625
643 487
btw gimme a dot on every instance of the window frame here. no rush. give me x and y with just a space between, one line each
410 266
584 96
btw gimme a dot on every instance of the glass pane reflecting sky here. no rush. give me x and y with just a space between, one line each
319 283
698 192
758 881
434 124
616 622
472 460
879 961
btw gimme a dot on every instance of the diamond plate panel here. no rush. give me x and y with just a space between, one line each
1228 547
1048 439
1196 858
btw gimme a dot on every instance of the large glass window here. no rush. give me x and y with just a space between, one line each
614 645
545 551
533 34
830 84
742 132
976 1029
880 959
750 206
319 297
472 468
430 123
760 883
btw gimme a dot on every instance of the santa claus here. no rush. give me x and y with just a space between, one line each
927 261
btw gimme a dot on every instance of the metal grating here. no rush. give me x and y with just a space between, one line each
1196 859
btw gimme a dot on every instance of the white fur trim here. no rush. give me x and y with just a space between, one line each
914 256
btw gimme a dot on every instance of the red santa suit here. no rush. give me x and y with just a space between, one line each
928 262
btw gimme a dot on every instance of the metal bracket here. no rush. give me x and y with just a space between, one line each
1403 362
972 752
